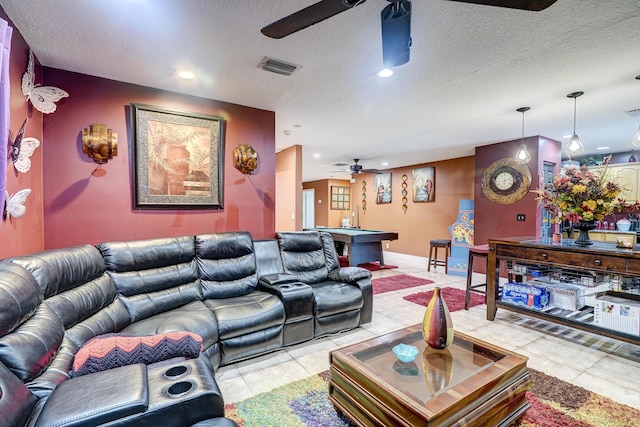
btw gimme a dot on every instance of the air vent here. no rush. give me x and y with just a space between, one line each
634 113
277 66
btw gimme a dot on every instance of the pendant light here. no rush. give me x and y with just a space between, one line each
574 147
522 156
636 138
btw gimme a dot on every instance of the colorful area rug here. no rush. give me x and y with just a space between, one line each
454 298
394 283
554 403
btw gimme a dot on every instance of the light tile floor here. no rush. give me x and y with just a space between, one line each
605 368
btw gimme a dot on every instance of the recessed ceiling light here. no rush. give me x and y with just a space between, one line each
187 75
316 156
385 72
603 148
384 163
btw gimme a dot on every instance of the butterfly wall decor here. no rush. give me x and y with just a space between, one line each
43 98
21 149
14 204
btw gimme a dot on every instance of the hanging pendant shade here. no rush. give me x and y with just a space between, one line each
635 141
636 138
522 156
574 147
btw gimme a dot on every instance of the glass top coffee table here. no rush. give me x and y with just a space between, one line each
471 383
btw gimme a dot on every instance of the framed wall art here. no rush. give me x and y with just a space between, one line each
340 197
383 188
177 159
424 185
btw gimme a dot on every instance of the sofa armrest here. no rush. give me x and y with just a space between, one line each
98 398
278 278
349 274
360 277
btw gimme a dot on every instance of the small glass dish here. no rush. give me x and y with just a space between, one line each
405 353
624 242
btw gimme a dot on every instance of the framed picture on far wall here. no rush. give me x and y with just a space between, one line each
340 197
424 185
176 159
383 188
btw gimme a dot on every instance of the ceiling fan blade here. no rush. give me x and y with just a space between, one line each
307 17
533 5
376 171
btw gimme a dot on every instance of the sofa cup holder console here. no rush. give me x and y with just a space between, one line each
176 372
179 389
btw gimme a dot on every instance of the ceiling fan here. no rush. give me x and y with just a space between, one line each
325 9
356 168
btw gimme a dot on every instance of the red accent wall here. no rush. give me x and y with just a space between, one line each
85 205
497 220
25 234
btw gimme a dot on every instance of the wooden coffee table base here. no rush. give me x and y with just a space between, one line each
492 394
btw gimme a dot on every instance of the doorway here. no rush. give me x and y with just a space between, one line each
546 227
308 208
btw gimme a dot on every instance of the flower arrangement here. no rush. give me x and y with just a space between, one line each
581 194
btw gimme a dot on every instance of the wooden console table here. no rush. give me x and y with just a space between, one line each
600 258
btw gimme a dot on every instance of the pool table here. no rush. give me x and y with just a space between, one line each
362 245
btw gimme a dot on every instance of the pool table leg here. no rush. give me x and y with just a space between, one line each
359 253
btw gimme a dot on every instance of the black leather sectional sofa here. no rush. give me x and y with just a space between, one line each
243 297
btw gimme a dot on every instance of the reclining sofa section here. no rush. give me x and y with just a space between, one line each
243 297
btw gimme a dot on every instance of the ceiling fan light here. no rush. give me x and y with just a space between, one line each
636 138
574 147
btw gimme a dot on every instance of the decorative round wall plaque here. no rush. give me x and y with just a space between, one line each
506 181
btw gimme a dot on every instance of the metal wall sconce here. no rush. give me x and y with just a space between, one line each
574 147
522 156
245 158
99 143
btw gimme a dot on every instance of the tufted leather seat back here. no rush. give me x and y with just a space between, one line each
268 257
303 255
16 401
330 253
227 264
153 276
76 301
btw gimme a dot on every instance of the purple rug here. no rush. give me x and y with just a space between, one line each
454 298
393 283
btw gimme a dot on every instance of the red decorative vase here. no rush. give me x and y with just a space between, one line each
437 327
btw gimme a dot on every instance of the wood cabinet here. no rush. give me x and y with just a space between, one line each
627 175
601 258
607 236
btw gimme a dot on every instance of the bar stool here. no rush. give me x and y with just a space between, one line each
433 253
479 251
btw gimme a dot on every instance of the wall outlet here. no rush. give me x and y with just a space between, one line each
387 246
520 217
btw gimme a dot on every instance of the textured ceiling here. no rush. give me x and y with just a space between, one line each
471 67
